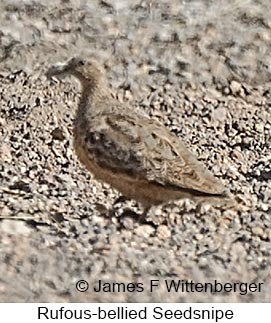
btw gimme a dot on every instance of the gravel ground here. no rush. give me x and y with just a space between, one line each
201 68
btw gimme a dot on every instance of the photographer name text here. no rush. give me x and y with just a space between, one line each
171 286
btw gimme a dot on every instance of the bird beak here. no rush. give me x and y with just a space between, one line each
58 69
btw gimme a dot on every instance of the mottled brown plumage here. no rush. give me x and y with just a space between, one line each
138 156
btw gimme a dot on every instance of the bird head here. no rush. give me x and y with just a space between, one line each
85 70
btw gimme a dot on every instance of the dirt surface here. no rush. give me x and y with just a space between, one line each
200 67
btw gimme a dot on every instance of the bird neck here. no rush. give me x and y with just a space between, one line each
91 93
86 98
84 110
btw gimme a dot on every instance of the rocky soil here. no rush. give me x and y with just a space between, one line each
200 67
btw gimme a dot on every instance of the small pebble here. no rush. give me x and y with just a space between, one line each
258 231
144 230
235 87
163 232
58 134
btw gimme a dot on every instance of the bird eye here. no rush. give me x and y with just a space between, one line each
81 63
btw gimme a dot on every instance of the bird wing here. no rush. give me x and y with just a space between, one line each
145 149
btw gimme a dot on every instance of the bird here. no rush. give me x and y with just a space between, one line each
135 154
